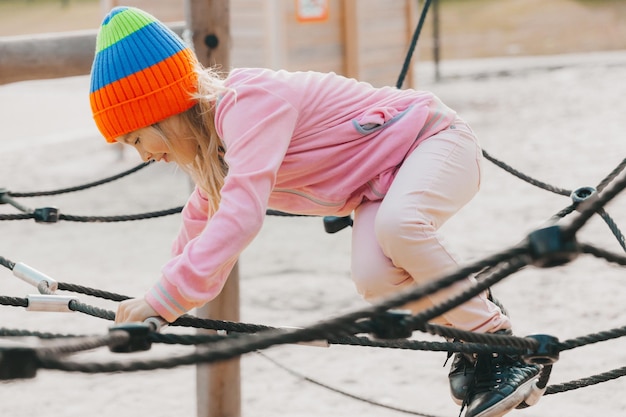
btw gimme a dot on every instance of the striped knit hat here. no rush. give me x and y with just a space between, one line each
142 73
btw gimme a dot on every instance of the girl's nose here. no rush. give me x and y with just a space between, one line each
146 156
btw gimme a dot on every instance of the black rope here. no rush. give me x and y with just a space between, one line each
612 175
4 332
91 292
339 391
603 254
80 187
409 56
26 216
525 177
585 382
7 263
593 338
13 301
613 227
126 218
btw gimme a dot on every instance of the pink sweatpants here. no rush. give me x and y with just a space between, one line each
396 243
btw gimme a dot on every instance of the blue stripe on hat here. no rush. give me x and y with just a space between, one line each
113 12
139 50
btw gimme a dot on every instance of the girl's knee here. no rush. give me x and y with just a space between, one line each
392 227
375 283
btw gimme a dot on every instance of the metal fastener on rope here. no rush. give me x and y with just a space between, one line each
582 194
17 361
3 193
46 215
391 325
138 339
157 323
33 277
546 353
549 249
333 224
47 302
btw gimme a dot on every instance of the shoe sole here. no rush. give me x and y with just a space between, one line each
533 397
509 403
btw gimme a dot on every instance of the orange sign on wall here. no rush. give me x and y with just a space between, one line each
311 10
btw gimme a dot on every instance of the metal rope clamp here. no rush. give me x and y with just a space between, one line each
34 277
549 249
391 325
138 337
17 361
46 215
50 302
546 353
333 224
584 195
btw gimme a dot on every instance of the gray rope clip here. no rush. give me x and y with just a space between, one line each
583 194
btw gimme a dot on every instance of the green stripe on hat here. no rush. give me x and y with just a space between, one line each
130 21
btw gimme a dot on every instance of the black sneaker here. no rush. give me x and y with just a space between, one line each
501 383
461 376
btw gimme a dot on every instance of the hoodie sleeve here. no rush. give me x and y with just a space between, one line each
195 216
256 127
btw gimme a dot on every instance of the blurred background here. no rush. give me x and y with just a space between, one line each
469 28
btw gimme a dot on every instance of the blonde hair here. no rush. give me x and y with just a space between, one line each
208 169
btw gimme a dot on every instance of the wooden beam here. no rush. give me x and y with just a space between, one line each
52 55
218 386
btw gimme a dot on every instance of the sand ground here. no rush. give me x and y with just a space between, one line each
559 119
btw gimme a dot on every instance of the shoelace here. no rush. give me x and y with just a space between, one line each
483 377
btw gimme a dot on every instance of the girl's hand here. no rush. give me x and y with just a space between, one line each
136 309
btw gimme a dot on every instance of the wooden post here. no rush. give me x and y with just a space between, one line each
436 45
352 66
218 386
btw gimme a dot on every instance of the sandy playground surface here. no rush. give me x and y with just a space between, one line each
558 119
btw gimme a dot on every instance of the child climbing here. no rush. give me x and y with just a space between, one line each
400 161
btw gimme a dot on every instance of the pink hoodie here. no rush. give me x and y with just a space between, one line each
304 142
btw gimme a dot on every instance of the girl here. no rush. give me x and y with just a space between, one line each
309 143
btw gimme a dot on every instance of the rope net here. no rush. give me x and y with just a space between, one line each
376 326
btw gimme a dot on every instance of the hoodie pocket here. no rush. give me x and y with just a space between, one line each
377 119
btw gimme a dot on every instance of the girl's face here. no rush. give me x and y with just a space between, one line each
151 144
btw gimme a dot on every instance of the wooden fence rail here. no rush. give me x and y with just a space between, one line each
50 55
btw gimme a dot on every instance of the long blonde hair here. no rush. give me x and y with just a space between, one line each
208 168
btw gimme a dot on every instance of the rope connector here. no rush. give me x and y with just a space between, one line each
138 340
157 323
50 302
17 361
46 215
391 325
34 277
546 353
3 192
583 194
333 224
549 249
